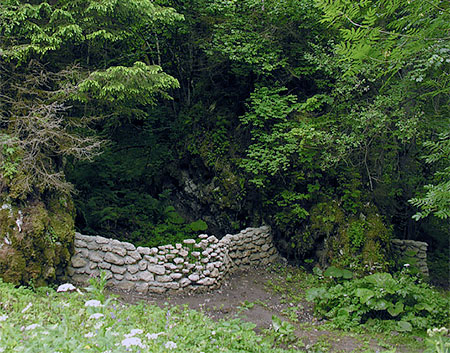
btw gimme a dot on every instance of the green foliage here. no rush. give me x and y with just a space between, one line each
403 42
437 340
334 272
281 141
48 321
436 200
381 302
9 158
283 331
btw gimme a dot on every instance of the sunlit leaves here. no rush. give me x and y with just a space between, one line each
140 84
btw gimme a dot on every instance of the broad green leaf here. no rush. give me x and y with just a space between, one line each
364 294
396 309
404 326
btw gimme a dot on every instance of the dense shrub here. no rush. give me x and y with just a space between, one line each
381 302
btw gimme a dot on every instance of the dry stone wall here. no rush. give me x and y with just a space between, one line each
191 265
417 250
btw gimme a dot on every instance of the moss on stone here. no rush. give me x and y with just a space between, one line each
40 248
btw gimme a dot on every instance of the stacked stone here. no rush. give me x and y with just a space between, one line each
417 248
191 265
251 247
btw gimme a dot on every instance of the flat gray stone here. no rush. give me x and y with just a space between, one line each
184 282
101 240
141 288
104 265
130 277
118 269
142 265
146 276
129 260
157 290
171 285
143 251
119 250
78 262
128 246
176 276
95 256
125 285
135 255
114 259
194 277
157 269
133 269
163 279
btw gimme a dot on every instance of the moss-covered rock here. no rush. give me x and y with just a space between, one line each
36 239
362 243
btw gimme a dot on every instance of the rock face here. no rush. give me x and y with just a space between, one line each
193 265
414 250
36 240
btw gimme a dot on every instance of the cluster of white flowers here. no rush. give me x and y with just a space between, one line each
66 287
3 317
133 341
153 336
170 345
94 303
134 332
96 316
437 331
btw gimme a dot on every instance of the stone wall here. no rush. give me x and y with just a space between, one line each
416 250
191 265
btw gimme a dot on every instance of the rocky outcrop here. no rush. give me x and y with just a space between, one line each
192 265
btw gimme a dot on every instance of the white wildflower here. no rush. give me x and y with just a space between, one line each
153 336
170 345
66 287
96 316
27 307
31 327
3 317
98 325
132 341
134 332
94 303
90 334
406 265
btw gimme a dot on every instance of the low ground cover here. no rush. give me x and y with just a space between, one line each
48 321
255 311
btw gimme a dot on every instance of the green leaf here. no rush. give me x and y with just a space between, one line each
396 309
364 294
333 272
404 326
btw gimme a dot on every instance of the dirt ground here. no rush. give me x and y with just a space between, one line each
247 296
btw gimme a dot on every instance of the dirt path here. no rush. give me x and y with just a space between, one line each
248 296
